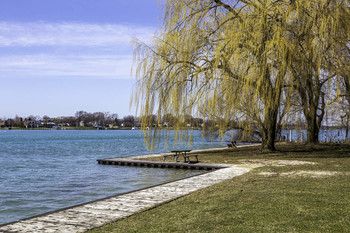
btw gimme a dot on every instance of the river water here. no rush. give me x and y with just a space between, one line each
45 170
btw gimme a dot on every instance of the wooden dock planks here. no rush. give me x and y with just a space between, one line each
155 164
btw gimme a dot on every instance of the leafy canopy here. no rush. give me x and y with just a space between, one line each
223 61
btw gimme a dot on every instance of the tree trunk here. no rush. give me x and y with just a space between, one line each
269 130
313 119
347 127
312 131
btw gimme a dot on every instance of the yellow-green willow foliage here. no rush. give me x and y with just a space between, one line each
220 60
319 32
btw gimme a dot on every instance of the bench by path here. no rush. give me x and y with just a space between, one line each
95 214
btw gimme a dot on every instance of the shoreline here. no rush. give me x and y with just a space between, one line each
93 214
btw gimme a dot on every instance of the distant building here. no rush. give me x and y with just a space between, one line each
126 124
63 124
50 125
32 124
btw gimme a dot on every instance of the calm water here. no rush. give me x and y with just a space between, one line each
46 170
325 135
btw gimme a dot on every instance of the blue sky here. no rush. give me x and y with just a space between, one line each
61 56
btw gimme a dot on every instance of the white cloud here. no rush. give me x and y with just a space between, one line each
70 34
77 66
39 49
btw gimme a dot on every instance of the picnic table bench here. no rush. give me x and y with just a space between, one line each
165 156
187 158
232 144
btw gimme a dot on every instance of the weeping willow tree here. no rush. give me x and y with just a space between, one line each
344 84
345 100
318 30
220 60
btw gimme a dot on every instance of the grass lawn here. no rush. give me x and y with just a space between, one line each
270 198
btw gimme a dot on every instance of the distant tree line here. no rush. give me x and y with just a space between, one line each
95 119
83 119
80 119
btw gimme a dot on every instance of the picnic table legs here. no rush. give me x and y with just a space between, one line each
188 160
184 153
177 155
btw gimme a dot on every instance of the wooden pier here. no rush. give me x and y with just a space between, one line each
155 164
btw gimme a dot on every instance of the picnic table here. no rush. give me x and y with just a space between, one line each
183 153
180 152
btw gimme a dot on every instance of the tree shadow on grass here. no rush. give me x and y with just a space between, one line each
323 150
284 151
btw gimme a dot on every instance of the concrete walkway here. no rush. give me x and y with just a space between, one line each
95 214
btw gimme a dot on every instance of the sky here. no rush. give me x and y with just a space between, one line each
58 57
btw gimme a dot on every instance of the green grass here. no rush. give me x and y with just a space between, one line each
257 203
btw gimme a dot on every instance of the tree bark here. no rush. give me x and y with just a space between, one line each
347 127
269 128
313 130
